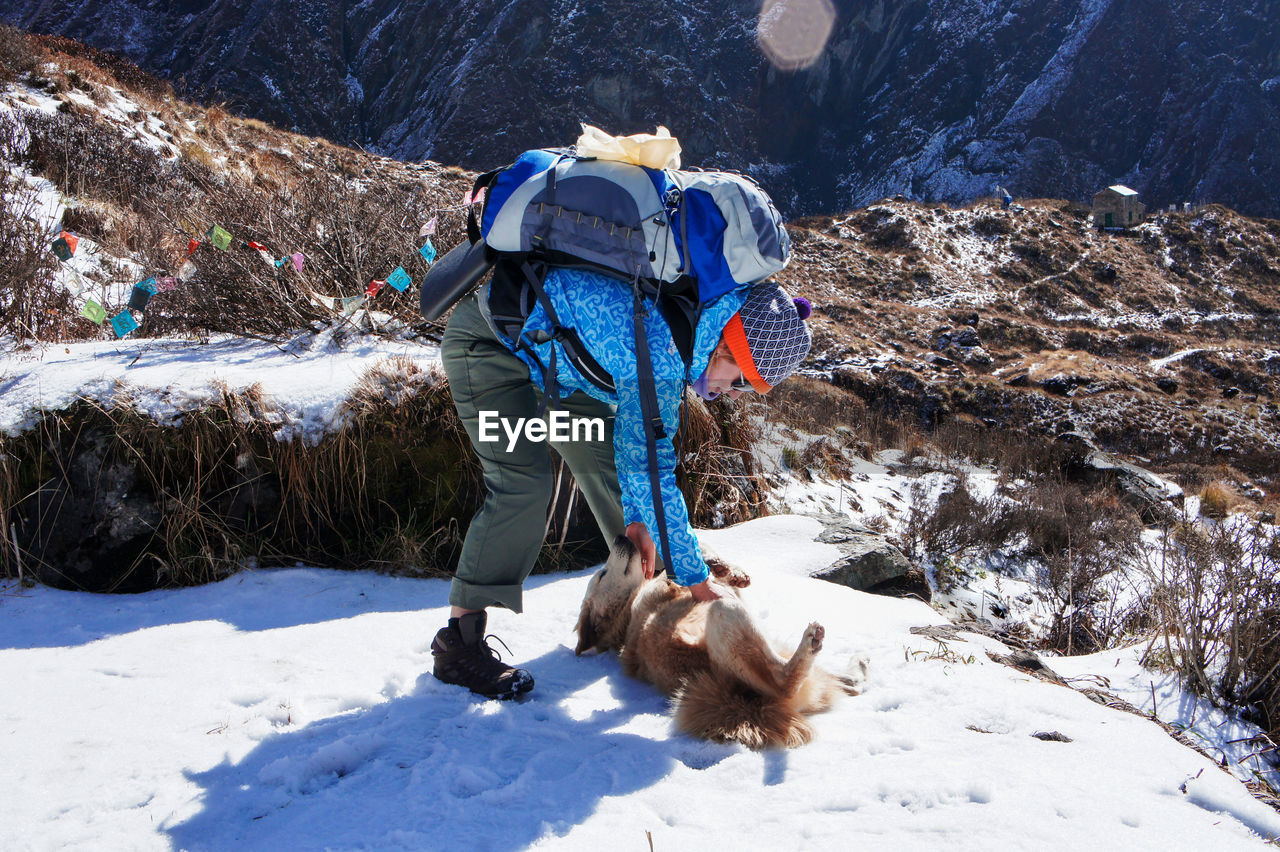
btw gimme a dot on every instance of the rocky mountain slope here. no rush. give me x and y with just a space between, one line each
933 99
1163 341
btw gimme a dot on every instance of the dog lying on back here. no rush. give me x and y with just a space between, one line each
727 683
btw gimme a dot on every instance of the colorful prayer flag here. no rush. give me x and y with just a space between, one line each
123 323
428 251
351 304
259 246
220 237
192 246
186 271
166 284
139 297
148 284
298 259
429 228
65 246
374 286
93 312
399 279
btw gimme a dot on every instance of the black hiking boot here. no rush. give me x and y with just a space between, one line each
463 657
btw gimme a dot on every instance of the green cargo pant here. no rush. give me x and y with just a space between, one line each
503 540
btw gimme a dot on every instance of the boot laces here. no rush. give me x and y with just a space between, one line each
490 649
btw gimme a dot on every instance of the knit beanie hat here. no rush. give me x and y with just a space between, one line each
768 336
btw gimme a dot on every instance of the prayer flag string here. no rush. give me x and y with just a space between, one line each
142 292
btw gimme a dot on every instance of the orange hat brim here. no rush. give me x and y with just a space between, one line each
735 336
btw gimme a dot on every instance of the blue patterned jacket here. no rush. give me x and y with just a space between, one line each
599 308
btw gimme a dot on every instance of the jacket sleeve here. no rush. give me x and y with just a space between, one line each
631 453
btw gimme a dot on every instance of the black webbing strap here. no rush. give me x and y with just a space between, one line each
550 385
473 223
686 263
653 428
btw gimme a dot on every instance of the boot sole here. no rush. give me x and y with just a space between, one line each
517 692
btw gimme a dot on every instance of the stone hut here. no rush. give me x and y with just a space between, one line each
1117 207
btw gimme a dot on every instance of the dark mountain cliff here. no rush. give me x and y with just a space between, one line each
932 99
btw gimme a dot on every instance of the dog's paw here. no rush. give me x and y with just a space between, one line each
856 675
727 574
813 636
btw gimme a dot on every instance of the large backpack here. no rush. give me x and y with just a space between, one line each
664 227
686 237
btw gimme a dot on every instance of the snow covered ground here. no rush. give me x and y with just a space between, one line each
293 709
307 379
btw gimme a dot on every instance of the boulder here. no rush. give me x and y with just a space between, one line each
90 528
868 562
1153 497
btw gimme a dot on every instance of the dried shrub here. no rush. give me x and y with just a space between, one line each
103 65
1016 453
826 457
957 524
991 225
1217 605
717 472
83 158
352 215
32 307
19 55
1078 539
814 405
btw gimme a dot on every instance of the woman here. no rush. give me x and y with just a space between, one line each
743 341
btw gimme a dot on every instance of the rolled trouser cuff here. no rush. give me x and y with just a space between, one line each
476 596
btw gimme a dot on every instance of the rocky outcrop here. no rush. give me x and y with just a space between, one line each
868 562
1155 499
932 99
90 528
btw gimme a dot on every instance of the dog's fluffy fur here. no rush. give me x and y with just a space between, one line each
726 682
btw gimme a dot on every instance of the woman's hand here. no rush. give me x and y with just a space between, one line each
638 533
705 591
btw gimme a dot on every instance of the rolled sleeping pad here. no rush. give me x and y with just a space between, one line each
452 277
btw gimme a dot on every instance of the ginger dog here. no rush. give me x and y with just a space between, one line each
727 683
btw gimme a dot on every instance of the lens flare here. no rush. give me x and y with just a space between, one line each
793 33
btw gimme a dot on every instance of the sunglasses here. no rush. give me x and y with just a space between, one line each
741 385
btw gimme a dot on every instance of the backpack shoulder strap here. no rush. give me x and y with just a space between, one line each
473 223
652 417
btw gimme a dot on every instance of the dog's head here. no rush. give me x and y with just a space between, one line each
606 610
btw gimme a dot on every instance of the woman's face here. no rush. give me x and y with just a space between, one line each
723 373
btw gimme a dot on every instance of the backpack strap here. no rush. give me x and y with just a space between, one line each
568 339
473 223
650 414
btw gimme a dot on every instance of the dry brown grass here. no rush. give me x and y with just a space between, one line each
1216 500
198 154
391 489
717 471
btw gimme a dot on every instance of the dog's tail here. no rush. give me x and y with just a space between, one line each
725 710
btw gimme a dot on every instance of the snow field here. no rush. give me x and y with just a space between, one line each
295 709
